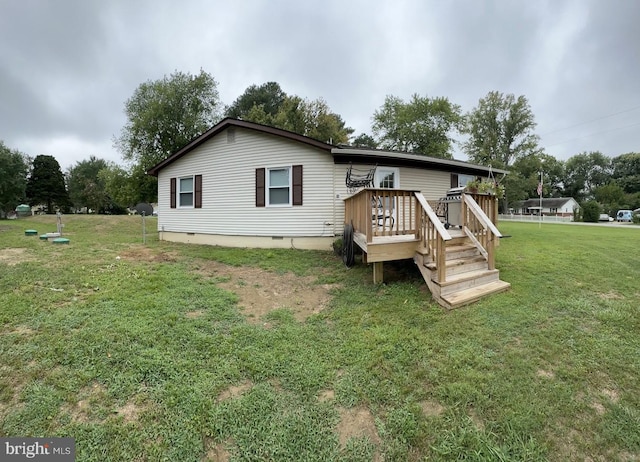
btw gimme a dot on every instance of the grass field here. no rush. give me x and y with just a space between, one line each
188 353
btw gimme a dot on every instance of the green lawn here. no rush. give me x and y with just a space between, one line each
150 357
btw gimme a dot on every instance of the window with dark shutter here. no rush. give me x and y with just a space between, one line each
260 187
198 192
172 189
297 184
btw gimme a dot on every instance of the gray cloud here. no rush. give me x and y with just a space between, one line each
67 67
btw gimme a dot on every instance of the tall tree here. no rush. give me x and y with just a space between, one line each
127 187
423 125
611 197
309 118
46 184
524 176
626 171
365 141
585 172
14 167
164 115
500 130
269 96
86 188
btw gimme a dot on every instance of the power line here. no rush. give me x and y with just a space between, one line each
590 121
593 134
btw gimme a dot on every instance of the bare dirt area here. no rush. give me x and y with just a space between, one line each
147 254
358 422
261 292
234 391
431 408
89 395
217 452
13 256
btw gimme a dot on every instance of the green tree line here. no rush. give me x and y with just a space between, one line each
163 115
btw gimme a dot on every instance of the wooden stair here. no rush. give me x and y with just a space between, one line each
468 277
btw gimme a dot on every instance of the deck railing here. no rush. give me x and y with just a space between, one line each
382 212
393 212
433 236
478 225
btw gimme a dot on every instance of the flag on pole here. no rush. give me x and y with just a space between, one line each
540 189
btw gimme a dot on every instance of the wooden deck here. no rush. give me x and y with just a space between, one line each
458 265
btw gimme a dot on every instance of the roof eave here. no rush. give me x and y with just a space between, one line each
419 158
229 122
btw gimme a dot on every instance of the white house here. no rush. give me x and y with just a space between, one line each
558 206
243 184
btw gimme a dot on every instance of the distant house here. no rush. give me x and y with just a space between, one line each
557 206
243 184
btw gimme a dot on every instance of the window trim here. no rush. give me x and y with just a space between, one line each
382 171
179 192
289 169
464 176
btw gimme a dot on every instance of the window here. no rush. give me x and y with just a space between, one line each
279 186
464 179
185 196
387 177
186 192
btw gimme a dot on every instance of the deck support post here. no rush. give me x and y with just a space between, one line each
378 273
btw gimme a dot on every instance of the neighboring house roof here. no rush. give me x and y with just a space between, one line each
341 154
549 202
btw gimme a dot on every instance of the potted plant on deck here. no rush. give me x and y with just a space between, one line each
488 187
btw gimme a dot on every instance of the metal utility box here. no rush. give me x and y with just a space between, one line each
453 202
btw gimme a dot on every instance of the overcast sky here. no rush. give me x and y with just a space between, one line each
67 67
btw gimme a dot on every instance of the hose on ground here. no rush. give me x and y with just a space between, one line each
348 257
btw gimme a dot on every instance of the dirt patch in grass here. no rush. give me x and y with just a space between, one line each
129 412
326 395
217 452
234 391
431 408
147 254
546 374
11 385
611 394
22 330
261 292
598 407
194 314
357 423
89 396
477 421
611 296
14 255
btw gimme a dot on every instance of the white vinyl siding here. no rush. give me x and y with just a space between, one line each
229 188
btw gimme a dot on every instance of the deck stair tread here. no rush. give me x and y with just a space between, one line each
466 296
458 262
468 276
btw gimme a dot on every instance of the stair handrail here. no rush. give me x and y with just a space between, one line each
482 217
484 243
437 224
434 236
